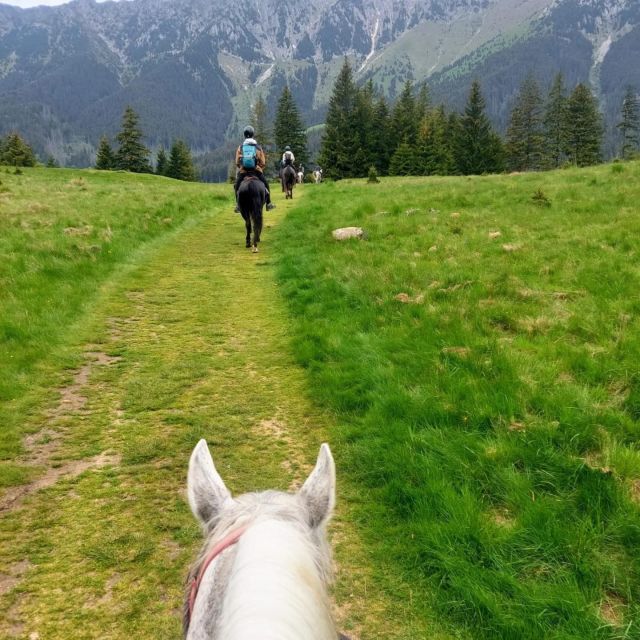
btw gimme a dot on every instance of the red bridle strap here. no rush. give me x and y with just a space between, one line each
217 549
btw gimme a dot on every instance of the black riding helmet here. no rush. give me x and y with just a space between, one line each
249 132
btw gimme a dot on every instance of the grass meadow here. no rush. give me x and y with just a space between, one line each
480 353
473 363
63 234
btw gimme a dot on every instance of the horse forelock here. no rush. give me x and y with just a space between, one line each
251 509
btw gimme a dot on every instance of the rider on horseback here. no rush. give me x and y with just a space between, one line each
251 161
287 157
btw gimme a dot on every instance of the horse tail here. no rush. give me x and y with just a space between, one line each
257 203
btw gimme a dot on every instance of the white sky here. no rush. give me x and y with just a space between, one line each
34 3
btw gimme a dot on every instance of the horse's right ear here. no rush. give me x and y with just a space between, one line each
319 490
207 493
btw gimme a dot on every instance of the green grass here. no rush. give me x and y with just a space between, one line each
491 423
203 349
62 234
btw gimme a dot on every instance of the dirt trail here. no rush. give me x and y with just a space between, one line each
205 352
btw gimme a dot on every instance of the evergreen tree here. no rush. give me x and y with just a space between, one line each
161 162
16 152
478 148
381 137
403 161
555 125
261 123
132 155
403 119
433 140
524 144
104 157
423 103
52 163
364 124
180 162
629 125
340 142
289 130
584 127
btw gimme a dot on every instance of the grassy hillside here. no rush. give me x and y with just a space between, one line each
480 351
62 235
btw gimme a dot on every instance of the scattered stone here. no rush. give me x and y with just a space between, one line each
405 298
463 352
510 248
347 232
494 234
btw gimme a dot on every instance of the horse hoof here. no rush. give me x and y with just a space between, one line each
255 250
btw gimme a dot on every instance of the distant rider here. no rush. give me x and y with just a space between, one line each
251 161
287 157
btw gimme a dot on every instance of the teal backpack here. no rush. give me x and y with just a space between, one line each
249 156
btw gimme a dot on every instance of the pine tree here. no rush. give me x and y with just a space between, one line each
524 144
478 148
289 130
433 139
364 124
403 161
340 142
104 157
403 118
132 155
16 152
52 163
381 137
423 103
555 122
261 122
584 127
629 125
161 162
180 162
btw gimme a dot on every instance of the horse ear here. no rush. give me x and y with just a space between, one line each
207 493
319 490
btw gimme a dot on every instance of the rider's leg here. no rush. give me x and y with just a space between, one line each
239 178
270 205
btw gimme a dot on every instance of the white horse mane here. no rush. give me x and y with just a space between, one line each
270 585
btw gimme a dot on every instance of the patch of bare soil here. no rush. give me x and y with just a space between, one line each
41 446
611 610
15 572
14 497
295 464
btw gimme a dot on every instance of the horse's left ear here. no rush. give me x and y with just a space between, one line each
206 490
319 490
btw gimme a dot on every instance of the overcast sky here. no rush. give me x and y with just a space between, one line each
34 3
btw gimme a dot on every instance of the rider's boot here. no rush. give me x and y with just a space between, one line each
270 204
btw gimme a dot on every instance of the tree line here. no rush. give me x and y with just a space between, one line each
132 155
365 133
414 137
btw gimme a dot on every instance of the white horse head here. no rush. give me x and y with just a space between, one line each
265 566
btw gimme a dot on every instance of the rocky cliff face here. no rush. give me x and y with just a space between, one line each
192 68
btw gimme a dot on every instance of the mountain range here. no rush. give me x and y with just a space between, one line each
193 68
